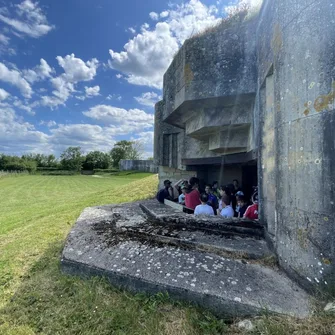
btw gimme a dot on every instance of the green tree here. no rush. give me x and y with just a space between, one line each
42 160
136 150
15 163
96 160
72 159
125 150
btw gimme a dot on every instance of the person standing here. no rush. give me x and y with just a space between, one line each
192 198
236 186
212 199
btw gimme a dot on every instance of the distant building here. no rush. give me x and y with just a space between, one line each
255 100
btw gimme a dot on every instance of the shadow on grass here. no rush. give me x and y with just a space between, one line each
50 302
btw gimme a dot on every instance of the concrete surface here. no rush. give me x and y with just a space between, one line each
98 245
273 74
138 165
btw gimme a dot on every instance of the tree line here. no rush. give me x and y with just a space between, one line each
73 159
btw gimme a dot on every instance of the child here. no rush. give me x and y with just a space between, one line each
227 210
252 211
181 198
241 205
204 209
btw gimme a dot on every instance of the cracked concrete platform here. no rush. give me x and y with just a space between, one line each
99 244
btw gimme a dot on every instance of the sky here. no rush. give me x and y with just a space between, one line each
88 72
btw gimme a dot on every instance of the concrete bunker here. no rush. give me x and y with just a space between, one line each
255 96
242 99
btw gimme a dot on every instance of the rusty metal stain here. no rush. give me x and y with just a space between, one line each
326 261
322 102
188 74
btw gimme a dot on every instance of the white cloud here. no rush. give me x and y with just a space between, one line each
114 96
144 27
23 105
29 19
88 136
115 116
3 94
40 72
4 39
15 78
49 124
118 76
146 57
92 91
252 5
154 16
164 14
190 18
76 69
132 30
63 88
148 99
17 136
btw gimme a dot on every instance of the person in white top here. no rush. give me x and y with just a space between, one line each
227 211
204 209
181 198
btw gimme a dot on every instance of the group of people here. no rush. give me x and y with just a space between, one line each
227 201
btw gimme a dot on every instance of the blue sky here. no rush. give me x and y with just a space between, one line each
88 72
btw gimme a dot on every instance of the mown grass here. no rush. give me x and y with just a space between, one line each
36 214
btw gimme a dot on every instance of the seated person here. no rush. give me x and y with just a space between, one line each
237 207
181 198
204 209
192 198
227 211
165 193
241 205
212 199
224 191
252 211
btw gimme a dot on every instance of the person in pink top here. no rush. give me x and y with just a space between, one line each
192 198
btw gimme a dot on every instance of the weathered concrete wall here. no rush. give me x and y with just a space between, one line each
138 165
297 39
220 63
168 141
174 175
271 81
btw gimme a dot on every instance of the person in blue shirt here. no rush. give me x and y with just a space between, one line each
165 193
212 199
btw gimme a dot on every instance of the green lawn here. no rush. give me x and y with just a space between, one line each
36 214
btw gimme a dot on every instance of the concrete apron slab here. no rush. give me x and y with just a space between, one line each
225 286
163 215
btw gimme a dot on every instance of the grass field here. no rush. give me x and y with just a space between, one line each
36 214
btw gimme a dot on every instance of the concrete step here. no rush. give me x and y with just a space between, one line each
166 216
192 239
228 287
